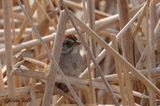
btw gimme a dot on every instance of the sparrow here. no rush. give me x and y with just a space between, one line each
70 60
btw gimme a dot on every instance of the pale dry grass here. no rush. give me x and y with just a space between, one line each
120 41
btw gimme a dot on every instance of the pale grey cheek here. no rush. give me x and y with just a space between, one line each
76 50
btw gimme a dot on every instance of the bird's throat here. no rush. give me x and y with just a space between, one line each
67 50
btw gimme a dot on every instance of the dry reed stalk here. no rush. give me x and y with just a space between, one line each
135 93
90 94
131 21
112 20
157 39
35 62
144 56
2 87
33 93
29 44
59 101
50 4
56 52
157 31
87 92
150 47
29 73
127 47
139 21
66 95
8 48
119 71
138 46
12 23
17 79
107 33
138 43
15 15
27 31
46 15
27 5
141 59
25 24
155 72
56 17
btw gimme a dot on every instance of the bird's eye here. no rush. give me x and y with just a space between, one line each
69 41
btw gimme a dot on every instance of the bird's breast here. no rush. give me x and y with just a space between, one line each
70 64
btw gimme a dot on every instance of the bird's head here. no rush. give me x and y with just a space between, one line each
70 42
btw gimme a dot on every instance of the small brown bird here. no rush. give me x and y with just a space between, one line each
70 59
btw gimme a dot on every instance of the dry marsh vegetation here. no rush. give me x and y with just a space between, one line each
120 48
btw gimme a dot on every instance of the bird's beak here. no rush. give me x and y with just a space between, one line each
77 43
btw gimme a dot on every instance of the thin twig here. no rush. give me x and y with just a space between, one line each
8 47
119 72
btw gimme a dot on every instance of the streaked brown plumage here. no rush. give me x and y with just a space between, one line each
70 60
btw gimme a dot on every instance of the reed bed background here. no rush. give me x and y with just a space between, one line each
120 45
